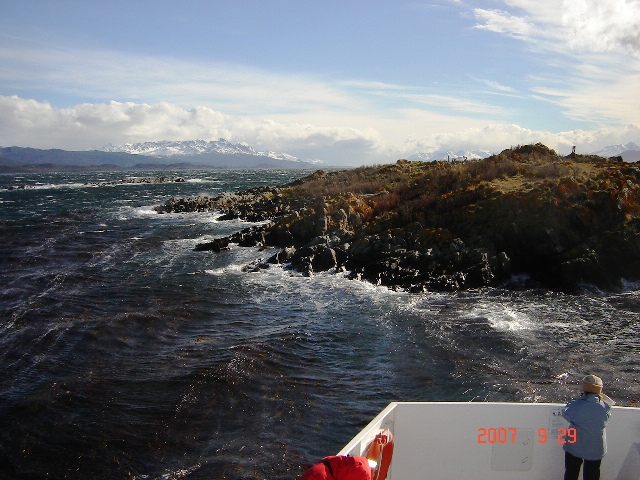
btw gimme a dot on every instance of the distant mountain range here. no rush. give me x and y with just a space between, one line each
206 154
149 155
630 152
199 148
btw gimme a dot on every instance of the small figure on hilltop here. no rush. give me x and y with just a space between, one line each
588 415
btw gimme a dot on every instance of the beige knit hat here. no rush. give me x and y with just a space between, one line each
592 384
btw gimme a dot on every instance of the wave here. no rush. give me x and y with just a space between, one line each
42 186
204 180
502 317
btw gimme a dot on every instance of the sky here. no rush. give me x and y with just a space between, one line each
347 82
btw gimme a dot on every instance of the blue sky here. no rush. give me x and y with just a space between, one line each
347 82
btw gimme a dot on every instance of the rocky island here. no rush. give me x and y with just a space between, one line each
122 181
526 217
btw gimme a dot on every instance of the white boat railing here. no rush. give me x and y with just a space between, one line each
493 441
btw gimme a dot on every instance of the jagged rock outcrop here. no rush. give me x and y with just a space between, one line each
136 180
439 226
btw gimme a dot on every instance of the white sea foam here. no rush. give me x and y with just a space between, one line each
221 271
502 317
145 211
48 186
628 286
54 186
127 212
203 180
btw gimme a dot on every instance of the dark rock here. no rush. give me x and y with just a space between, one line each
285 255
216 245
303 265
279 236
503 265
355 220
450 283
324 259
249 237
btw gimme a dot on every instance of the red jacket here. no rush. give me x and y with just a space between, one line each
339 468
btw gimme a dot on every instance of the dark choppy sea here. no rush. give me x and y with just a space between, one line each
125 354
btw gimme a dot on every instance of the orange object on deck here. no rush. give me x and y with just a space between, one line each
339 468
380 450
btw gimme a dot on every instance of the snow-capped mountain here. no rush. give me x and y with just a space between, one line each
450 155
615 150
168 148
630 152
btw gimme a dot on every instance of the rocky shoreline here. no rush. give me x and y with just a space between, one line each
526 214
122 181
139 180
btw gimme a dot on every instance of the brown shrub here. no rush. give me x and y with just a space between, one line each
385 202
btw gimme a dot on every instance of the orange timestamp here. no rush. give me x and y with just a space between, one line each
508 435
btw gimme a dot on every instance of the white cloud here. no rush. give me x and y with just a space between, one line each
114 75
597 25
456 103
499 21
593 47
567 26
496 138
26 122
597 102
497 87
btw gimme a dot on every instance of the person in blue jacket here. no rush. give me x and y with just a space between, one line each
588 414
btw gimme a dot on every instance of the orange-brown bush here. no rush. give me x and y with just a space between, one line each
421 191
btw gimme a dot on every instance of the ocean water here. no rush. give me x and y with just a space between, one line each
125 354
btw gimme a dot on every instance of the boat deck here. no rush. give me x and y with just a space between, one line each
493 441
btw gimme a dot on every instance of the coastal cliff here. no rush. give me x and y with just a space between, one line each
525 217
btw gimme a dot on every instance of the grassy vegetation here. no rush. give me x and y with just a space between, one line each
419 191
